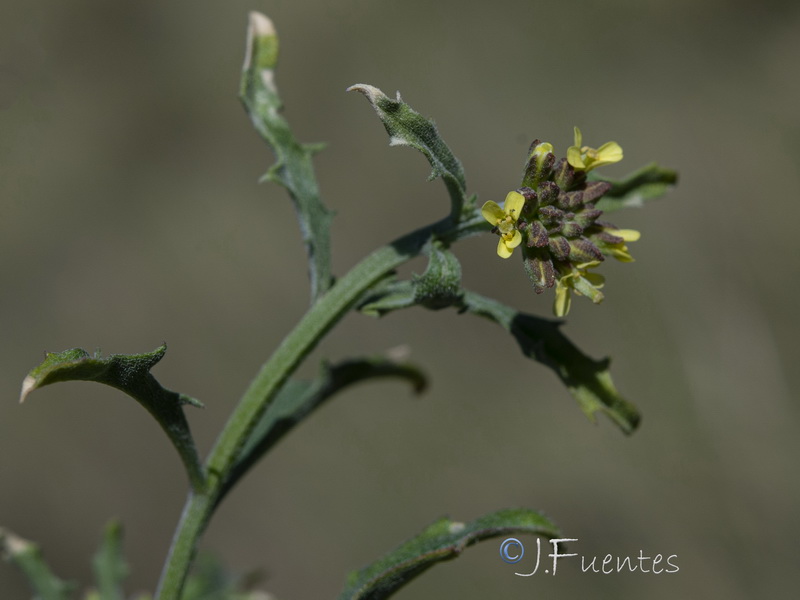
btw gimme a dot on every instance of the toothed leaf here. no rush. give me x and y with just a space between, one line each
588 380
406 127
293 168
443 540
131 374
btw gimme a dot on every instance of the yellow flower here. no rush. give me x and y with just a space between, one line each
582 282
505 222
584 158
620 250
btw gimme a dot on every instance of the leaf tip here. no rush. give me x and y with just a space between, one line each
370 91
260 24
28 385
262 42
12 544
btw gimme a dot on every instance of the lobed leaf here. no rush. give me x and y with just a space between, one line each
293 168
443 540
406 127
588 380
648 183
129 373
27 557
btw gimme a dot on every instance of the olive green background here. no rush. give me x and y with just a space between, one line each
130 213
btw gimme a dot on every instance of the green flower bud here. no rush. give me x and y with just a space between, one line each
582 250
548 193
539 164
537 235
539 268
559 247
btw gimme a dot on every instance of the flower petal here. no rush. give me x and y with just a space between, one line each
503 251
608 153
492 212
578 137
516 240
514 203
575 158
629 235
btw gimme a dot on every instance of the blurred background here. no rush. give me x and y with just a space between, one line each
131 213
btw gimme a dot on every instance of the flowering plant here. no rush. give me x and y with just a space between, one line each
553 217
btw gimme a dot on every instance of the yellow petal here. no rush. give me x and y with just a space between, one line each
503 251
622 254
575 158
610 152
492 212
578 137
514 203
516 240
629 235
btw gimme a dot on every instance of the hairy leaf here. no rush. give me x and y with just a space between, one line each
298 399
27 558
647 183
131 374
443 540
406 127
587 379
293 168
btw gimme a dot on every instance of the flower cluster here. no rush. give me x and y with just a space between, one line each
553 218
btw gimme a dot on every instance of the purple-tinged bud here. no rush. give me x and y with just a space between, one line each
531 201
607 238
570 200
539 164
548 192
572 229
551 214
540 271
565 176
587 216
537 235
559 247
583 251
595 190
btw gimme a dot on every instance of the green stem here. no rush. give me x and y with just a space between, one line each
322 316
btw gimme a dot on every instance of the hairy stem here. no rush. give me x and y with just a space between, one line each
320 318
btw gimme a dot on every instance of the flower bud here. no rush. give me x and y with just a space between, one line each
539 165
540 270
584 251
537 235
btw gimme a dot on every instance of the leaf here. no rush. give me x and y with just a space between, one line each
293 168
647 183
406 127
443 540
438 287
129 373
298 399
27 558
588 380
110 568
